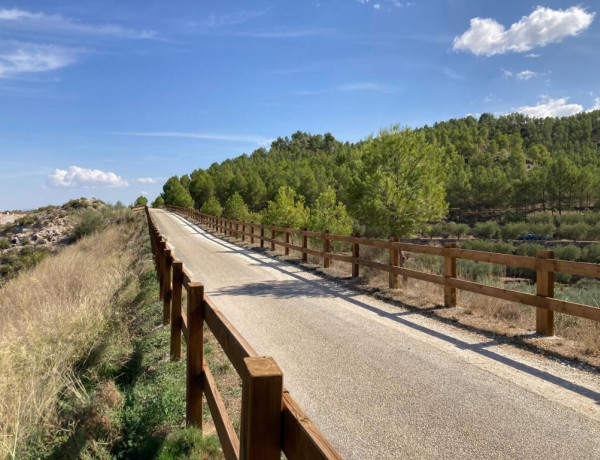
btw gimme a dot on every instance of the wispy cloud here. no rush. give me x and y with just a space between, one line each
359 86
75 176
523 75
196 135
287 33
548 107
543 26
454 75
18 58
232 19
38 21
146 180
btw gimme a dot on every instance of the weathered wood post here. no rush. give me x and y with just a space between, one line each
168 260
176 310
195 354
272 239
304 245
355 257
287 241
262 394
544 318
262 236
161 283
243 232
252 234
449 272
393 282
326 260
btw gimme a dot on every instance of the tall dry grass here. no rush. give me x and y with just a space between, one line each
51 319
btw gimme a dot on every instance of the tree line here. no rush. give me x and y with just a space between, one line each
401 179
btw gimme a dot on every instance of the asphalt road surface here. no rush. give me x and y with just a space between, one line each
381 382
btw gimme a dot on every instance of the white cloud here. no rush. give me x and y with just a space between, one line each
533 55
359 86
17 18
596 105
377 6
192 135
549 107
18 58
488 37
525 75
146 180
75 176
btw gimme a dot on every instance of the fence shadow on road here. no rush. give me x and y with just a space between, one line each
324 288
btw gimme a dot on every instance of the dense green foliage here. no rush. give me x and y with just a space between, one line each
158 202
399 180
141 201
235 208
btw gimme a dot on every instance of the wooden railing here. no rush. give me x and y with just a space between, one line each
544 264
271 421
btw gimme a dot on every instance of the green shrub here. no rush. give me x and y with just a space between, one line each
330 214
541 218
529 249
514 217
439 230
591 253
568 252
570 218
477 271
542 228
4 243
212 207
594 232
592 218
513 229
89 222
235 208
502 247
489 229
576 231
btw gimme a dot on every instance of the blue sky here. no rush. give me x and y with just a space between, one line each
110 98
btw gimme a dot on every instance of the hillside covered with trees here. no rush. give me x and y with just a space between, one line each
399 180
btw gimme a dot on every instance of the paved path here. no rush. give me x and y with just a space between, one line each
381 382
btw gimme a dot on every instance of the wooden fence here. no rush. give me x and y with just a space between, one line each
544 264
271 421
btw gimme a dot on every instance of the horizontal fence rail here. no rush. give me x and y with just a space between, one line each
271 421
544 264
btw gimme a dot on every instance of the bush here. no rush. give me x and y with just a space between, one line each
489 229
90 221
212 207
568 252
329 214
542 228
4 243
287 210
592 218
489 246
541 218
577 231
594 232
570 218
141 201
235 208
513 229
591 254
529 249
514 217
159 202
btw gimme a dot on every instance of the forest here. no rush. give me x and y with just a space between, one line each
404 181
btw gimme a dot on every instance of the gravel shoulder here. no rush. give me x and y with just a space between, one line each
384 382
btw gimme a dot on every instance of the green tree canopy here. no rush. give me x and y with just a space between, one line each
287 209
158 202
141 201
329 214
176 194
399 183
235 208
212 207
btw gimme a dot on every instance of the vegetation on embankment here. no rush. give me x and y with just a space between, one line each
505 164
84 359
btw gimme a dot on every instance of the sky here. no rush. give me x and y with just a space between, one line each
110 98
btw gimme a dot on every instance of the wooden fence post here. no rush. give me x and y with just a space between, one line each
304 245
243 232
195 354
449 272
262 394
161 284
176 310
355 256
272 240
544 319
252 234
393 263
326 260
287 241
167 286
262 236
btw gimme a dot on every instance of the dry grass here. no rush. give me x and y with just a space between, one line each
51 319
